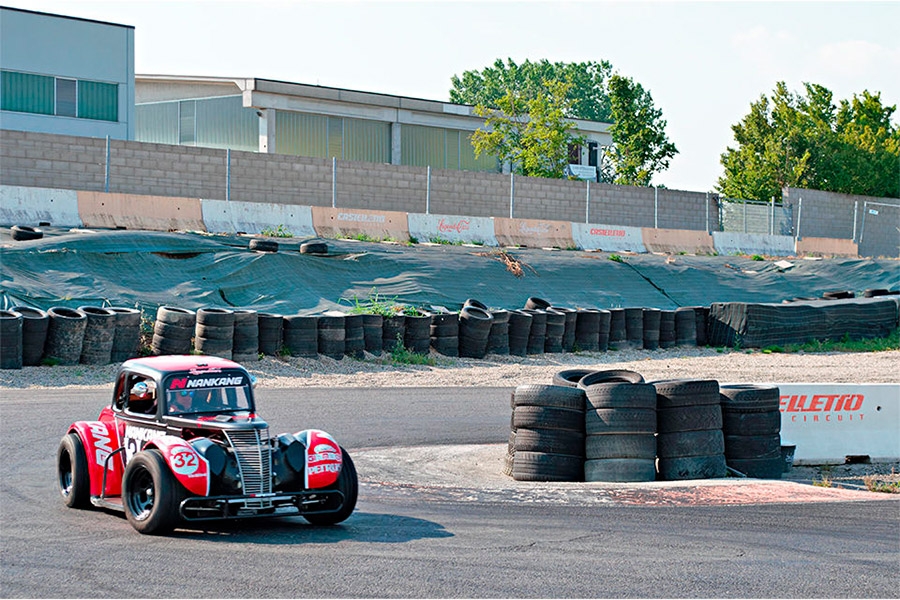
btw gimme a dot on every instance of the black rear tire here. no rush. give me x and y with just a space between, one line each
72 472
348 485
151 494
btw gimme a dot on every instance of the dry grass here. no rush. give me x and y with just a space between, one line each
513 264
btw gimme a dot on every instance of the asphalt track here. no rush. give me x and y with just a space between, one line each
410 542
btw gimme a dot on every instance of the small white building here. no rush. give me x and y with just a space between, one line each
66 75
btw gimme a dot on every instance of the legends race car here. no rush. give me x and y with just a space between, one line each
181 442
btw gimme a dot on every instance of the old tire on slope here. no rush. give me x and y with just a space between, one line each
22 233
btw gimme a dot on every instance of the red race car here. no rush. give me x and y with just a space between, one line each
181 442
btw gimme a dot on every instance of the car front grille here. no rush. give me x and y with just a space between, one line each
252 450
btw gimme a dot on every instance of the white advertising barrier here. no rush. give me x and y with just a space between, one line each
609 238
828 422
224 216
32 206
438 228
727 242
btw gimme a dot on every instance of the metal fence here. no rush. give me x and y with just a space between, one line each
752 216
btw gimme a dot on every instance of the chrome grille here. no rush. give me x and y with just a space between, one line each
252 450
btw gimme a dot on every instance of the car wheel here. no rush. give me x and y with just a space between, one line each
348 485
150 493
72 472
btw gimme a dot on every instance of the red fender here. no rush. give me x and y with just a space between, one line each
323 458
189 468
99 440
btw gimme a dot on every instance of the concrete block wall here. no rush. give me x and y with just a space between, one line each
470 193
621 205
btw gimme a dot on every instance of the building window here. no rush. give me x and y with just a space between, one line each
46 95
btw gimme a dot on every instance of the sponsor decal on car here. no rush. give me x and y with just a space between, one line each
189 383
135 437
323 460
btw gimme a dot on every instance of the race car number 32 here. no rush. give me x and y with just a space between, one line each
184 462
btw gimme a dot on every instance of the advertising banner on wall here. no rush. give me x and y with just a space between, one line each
608 238
441 228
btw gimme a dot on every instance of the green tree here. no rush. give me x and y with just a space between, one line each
586 95
531 133
806 141
640 146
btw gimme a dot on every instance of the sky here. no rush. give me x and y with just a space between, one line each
703 63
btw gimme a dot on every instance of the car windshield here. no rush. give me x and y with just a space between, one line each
209 400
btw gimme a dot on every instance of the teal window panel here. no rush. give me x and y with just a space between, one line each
367 141
225 123
99 101
66 97
156 123
422 146
24 92
187 122
301 134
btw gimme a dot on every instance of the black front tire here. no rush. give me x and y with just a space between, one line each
348 485
151 494
72 472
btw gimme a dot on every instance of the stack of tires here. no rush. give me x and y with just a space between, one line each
127 339
65 335
519 331
498 338
667 337
556 329
617 330
568 339
173 330
685 326
214 332
332 335
444 333
372 333
538 334
355 336
271 332
300 335
651 328
417 335
10 340
690 444
393 331
245 344
620 427
474 330
751 423
547 433
587 330
34 334
99 334
634 328
701 314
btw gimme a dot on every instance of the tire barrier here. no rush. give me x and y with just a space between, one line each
314 248
651 328
173 330
10 339
127 337
537 303
762 325
667 337
702 315
372 333
474 330
214 332
538 333
498 338
99 334
634 328
617 330
685 326
34 334
690 443
568 338
355 336
751 423
570 377
263 245
547 433
838 295
393 331
301 335
556 329
65 335
444 333
519 332
475 303
271 332
332 335
417 335
587 330
22 233
245 343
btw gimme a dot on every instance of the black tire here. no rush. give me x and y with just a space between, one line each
752 446
72 474
215 317
626 445
620 469
151 494
475 303
611 376
678 444
749 397
688 418
570 377
10 340
214 332
619 420
620 395
556 396
554 441
65 335
751 423
314 248
348 485
540 417
22 233
758 468
127 338
537 303
691 467
173 332
176 316
99 333
545 466
264 245
34 334
671 393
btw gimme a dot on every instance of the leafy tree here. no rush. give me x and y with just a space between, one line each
587 97
806 141
640 146
531 133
